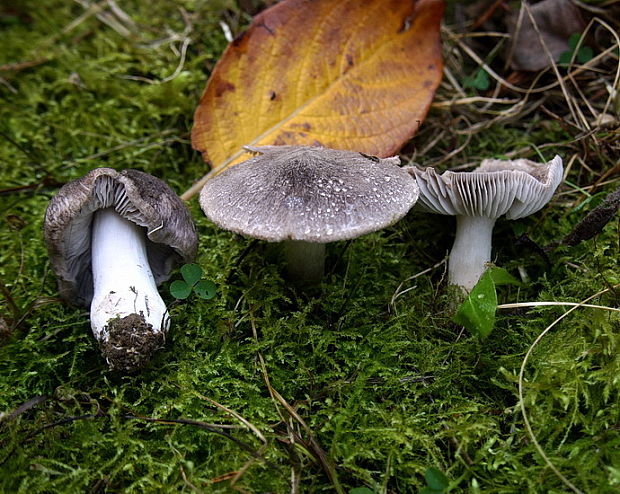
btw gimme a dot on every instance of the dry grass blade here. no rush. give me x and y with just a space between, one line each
581 99
526 420
115 19
559 304
219 429
313 446
245 422
574 109
399 291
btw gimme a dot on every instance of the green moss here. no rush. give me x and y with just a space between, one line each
387 384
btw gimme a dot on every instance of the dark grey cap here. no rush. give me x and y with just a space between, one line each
312 194
516 188
137 197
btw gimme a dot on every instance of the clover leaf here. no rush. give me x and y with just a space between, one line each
192 282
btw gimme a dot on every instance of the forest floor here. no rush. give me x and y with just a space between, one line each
366 386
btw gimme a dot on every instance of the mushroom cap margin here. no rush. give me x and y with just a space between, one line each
516 188
138 197
308 193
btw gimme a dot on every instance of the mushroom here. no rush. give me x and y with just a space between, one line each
515 188
112 237
308 196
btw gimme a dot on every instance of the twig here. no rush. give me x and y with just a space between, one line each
17 66
24 407
486 15
215 428
594 222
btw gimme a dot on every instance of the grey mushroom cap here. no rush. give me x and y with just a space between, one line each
136 196
516 188
312 194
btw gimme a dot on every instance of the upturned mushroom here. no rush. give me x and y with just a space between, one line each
112 237
308 196
515 188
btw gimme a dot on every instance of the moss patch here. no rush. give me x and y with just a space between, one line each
368 385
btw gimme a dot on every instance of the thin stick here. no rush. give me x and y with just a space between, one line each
473 99
569 304
582 68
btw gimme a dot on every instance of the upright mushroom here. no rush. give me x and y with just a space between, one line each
112 238
306 197
515 188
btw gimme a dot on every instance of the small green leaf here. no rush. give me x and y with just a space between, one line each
482 80
565 57
436 479
477 313
361 490
205 289
573 41
585 54
479 81
191 273
502 277
430 490
179 289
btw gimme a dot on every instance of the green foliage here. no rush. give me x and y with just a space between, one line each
436 481
582 54
361 490
382 378
192 282
480 80
477 312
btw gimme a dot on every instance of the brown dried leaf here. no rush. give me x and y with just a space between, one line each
556 21
348 74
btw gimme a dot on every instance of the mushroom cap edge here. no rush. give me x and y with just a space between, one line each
267 196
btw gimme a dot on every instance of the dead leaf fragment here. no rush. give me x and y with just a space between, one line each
347 75
556 21
594 222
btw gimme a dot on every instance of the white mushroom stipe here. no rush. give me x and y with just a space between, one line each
305 260
308 196
515 188
471 251
122 278
129 319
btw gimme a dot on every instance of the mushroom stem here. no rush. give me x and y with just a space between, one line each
305 261
123 283
471 250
